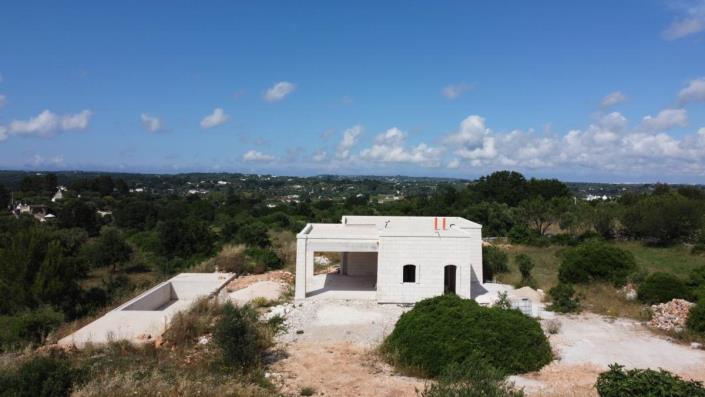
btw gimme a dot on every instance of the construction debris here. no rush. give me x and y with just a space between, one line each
629 292
670 316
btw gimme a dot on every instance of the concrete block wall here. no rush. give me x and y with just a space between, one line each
430 255
361 263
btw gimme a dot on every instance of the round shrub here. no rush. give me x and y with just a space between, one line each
662 287
237 336
563 299
645 383
44 377
447 330
696 318
596 261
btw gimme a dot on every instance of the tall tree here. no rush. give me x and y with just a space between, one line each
507 187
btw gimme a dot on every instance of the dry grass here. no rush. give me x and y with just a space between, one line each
605 299
599 297
284 244
230 259
179 366
157 383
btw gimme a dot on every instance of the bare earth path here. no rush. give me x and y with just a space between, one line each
588 343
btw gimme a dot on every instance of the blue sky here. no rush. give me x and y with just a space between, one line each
590 91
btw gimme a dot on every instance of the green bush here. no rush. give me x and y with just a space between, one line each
264 257
696 318
494 261
696 278
39 377
28 327
447 330
236 334
563 299
474 379
596 261
645 383
661 287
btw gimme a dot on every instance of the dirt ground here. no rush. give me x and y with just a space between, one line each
588 343
330 346
340 369
244 281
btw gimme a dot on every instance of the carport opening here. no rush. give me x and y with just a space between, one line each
345 275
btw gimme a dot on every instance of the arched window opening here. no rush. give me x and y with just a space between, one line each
409 274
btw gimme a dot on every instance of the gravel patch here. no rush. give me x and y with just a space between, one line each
363 323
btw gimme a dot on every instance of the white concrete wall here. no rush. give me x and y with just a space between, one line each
430 255
154 299
361 263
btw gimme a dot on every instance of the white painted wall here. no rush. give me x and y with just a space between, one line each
430 255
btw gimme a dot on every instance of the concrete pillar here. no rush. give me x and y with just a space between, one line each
344 263
301 273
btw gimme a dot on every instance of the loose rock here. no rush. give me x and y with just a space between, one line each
670 316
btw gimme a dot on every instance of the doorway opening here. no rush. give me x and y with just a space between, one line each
449 279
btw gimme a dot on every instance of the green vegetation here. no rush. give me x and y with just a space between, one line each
596 261
563 299
696 318
39 377
525 265
238 336
494 261
662 287
447 330
645 383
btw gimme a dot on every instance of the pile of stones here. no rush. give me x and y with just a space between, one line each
670 316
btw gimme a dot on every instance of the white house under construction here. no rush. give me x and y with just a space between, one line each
393 259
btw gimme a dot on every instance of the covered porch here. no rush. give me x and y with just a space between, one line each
356 277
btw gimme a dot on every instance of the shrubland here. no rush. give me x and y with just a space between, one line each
446 330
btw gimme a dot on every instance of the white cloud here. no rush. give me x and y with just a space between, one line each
350 139
471 132
76 121
3 133
319 156
454 164
151 123
453 91
254 155
389 147
3 101
47 124
612 99
278 91
694 92
691 19
473 141
666 119
37 160
218 117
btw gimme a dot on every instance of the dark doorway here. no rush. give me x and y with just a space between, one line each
449 279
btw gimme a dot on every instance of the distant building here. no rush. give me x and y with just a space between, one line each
58 196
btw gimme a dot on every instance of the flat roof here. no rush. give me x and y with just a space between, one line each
373 227
340 231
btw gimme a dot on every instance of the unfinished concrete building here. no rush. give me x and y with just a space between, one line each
392 259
